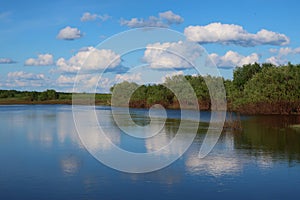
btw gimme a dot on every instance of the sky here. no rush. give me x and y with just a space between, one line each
45 43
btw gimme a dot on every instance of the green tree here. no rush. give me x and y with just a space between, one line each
52 94
121 92
274 84
242 74
48 95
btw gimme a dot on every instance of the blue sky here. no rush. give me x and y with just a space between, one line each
38 39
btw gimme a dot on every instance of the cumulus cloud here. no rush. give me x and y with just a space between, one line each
88 80
228 34
85 82
275 60
89 59
233 59
69 33
66 80
41 60
176 55
138 23
92 17
164 19
273 50
281 55
286 51
128 77
6 61
25 79
25 76
171 17
88 17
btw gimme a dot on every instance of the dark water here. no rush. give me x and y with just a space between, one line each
41 157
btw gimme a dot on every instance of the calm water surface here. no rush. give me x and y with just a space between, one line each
41 157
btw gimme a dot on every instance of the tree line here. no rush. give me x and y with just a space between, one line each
29 95
48 96
255 89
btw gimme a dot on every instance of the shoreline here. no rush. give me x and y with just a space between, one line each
49 102
99 103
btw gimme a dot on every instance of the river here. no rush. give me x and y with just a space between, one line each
42 157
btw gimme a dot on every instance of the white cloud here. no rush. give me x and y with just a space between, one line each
164 55
165 19
84 82
88 80
286 51
88 17
41 60
233 34
276 60
89 58
66 80
69 33
6 61
282 53
25 76
273 50
138 23
171 17
128 77
25 79
232 59
92 17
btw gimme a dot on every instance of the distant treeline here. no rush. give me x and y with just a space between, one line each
45 97
29 95
255 89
